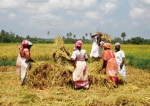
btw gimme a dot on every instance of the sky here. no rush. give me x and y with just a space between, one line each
59 17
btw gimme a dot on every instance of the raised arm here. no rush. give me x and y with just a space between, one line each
99 39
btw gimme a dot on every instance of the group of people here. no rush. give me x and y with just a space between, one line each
114 62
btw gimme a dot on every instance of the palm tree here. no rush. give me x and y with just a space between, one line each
70 35
90 33
48 32
67 35
74 36
86 34
123 35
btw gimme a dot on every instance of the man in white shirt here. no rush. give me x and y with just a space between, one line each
120 57
97 46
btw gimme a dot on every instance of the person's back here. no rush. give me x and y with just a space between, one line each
80 54
108 54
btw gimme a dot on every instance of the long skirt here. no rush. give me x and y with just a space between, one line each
18 64
112 69
80 74
24 68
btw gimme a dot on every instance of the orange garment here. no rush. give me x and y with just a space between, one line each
111 65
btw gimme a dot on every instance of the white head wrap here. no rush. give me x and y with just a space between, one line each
116 44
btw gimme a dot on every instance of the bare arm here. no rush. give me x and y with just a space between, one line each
122 63
93 35
104 64
99 40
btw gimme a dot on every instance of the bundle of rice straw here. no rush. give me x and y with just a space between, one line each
59 42
105 36
49 74
60 55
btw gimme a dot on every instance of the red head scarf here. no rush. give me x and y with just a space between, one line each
79 43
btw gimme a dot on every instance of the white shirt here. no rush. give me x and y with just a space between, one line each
79 54
119 55
96 49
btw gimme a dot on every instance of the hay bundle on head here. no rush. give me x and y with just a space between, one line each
105 36
60 55
49 74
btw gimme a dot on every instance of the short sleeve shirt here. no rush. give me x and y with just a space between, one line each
119 55
79 54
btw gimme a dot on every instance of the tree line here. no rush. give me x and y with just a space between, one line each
10 37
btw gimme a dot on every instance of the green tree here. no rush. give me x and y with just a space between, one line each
48 33
67 35
70 35
2 35
28 37
83 38
86 35
74 36
123 35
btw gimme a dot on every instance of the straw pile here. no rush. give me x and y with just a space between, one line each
49 74
98 77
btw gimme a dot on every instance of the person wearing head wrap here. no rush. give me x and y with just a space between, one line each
120 57
80 74
97 46
23 59
110 63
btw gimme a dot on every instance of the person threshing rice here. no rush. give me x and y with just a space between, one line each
80 74
110 63
120 57
24 59
97 46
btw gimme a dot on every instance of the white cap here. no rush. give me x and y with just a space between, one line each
116 44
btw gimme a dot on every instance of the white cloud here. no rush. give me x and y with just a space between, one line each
9 3
70 13
70 4
108 7
139 10
12 15
80 24
92 15
135 24
136 12
145 1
